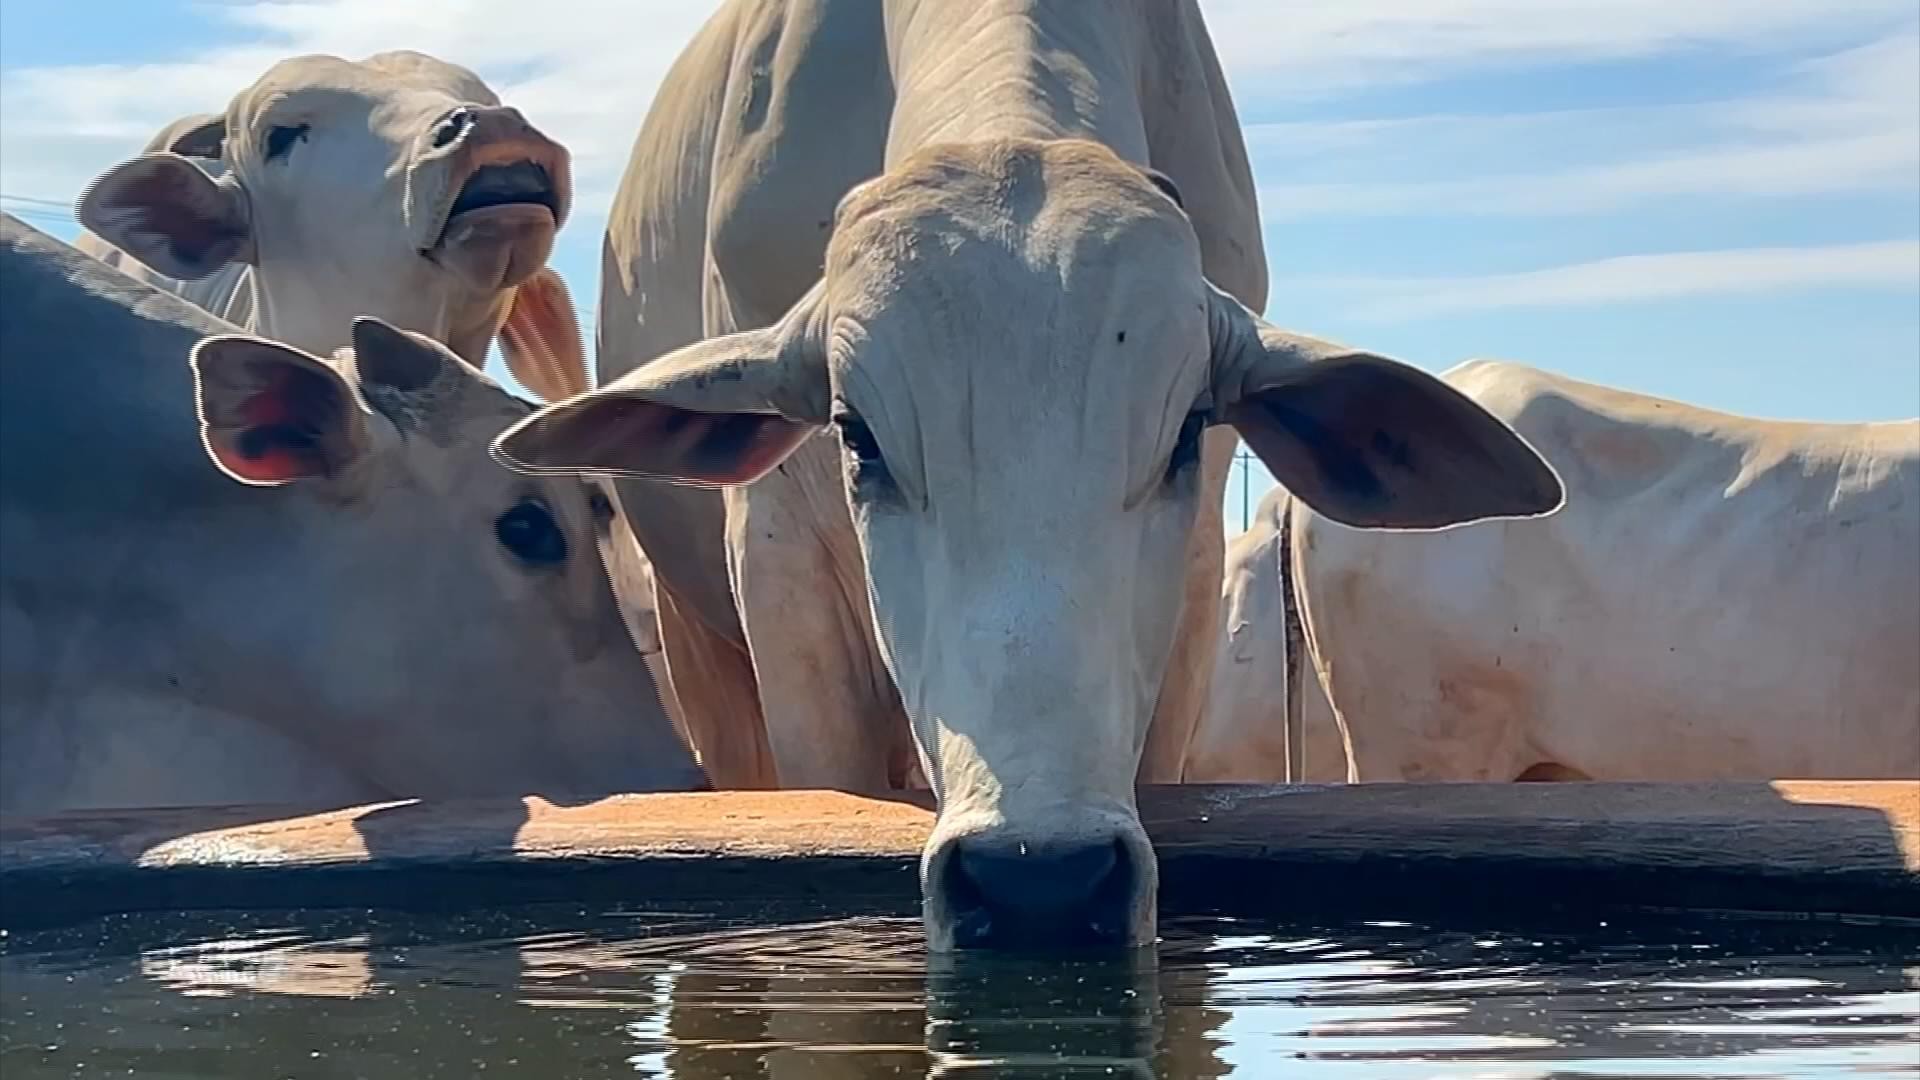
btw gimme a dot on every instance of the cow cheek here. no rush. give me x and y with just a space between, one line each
900 577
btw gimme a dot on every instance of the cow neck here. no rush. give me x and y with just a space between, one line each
471 327
1014 70
463 321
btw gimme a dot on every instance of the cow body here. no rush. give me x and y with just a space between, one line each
1261 674
1724 598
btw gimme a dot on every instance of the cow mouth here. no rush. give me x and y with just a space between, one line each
524 183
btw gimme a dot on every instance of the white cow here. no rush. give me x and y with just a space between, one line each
1244 737
374 610
1724 598
966 460
397 186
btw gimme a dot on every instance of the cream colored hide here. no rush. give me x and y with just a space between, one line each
397 186
1014 354
1724 598
1244 737
350 602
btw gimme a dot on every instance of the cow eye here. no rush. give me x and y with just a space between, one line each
530 533
281 139
1186 448
868 469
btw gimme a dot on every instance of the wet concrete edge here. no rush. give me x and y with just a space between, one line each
1432 851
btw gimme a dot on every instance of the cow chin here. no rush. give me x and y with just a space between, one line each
497 247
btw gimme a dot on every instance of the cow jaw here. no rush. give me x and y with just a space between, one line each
500 215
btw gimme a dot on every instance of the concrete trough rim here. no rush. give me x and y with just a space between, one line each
1846 850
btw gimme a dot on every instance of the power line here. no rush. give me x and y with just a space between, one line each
34 200
47 216
34 208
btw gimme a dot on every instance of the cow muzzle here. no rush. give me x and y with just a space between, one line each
992 891
498 192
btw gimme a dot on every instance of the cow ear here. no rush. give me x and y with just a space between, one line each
1367 441
720 412
389 358
205 138
271 414
1166 185
167 212
410 378
541 339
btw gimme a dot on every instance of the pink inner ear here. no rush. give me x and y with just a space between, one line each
269 465
766 442
272 404
272 442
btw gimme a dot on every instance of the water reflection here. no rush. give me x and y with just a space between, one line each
684 995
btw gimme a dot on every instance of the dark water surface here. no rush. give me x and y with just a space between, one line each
560 992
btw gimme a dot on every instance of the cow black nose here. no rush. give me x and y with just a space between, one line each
1019 896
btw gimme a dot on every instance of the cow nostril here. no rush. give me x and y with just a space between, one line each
451 127
1020 895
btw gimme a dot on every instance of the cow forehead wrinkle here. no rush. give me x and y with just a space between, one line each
1072 384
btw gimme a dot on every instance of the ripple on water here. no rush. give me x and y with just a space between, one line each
682 994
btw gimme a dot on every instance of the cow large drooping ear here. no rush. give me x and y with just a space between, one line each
1367 441
167 212
271 414
541 339
203 136
720 412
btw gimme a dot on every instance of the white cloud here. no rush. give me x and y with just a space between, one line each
586 70
1315 48
1878 161
1879 265
1846 123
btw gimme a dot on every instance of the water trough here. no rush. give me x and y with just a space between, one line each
1795 849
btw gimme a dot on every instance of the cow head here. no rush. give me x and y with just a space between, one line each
397 186
453 616
1016 349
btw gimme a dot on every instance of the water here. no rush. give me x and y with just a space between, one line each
559 992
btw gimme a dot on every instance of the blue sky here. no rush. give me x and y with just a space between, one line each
1713 201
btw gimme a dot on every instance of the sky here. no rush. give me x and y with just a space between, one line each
1710 200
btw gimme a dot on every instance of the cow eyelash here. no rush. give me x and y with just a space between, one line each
529 531
869 471
280 139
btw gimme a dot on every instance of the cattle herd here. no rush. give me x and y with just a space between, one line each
925 335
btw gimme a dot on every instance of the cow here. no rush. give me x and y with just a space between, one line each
1724 598
1258 668
234 572
397 186
983 263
